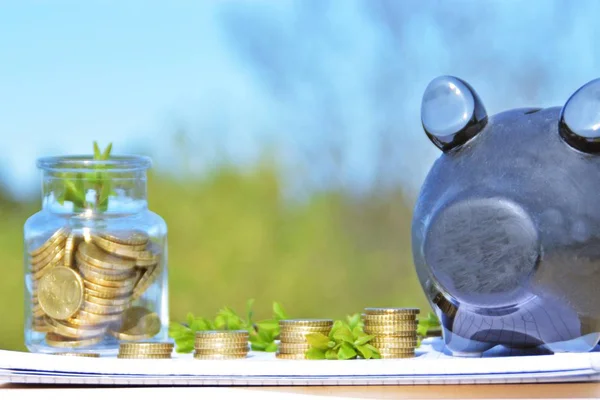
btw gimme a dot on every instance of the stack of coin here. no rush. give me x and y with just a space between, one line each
83 286
146 350
41 260
395 330
221 345
292 336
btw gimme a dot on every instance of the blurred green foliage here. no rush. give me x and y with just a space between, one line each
233 236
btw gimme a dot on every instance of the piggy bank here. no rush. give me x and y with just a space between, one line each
506 228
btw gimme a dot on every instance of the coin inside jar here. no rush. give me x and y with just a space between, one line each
60 293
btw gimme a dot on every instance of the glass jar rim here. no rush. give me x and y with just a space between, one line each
77 163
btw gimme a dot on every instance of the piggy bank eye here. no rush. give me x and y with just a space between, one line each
579 120
451 112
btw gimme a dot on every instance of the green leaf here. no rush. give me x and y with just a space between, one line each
268 325
266 336
354 321
365 352
331 354
346 352
258 346
371 347
200 324
106 153
315 354
272 347
177 331
318 341
336 326
279 311
344 334
363 340
190 319
186 347
97 153
220 322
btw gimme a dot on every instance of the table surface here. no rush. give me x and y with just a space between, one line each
506 391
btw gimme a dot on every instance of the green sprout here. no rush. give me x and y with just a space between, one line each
262 334
76 185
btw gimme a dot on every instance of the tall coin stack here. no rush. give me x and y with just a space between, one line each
83 286
292 336
395 330
145 350
221 345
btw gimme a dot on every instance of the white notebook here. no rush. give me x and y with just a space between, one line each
432 365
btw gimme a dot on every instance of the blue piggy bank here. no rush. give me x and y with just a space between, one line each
506 228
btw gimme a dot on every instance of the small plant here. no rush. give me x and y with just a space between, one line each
345 341
262 334
76 185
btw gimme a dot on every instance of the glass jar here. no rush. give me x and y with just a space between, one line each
95 258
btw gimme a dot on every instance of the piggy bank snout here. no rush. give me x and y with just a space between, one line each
482 250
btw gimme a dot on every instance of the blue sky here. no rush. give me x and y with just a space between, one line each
237 75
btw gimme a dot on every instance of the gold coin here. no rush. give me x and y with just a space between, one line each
396 355
218 357
89 318
288 349
60 294
220 346
110 281
120 249
149 257
303 330
40 325
70 247
156 346
107 294
147 279
304 323
38 311
46 257
85 323
113 302
397 345
232 352
146 351
222 334
60 234
102 309
224 341
384 330
132 237
75 332
55 262
138 322
393 311
91 355
388 318
299 356
92 254
298 337
144 356
130 337
55 340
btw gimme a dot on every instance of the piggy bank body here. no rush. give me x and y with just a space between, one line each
506 229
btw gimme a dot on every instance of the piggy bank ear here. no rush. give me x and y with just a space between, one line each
579 123
451 112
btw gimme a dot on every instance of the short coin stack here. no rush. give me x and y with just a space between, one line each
395 330
83 286
145 350
221 345
292 336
